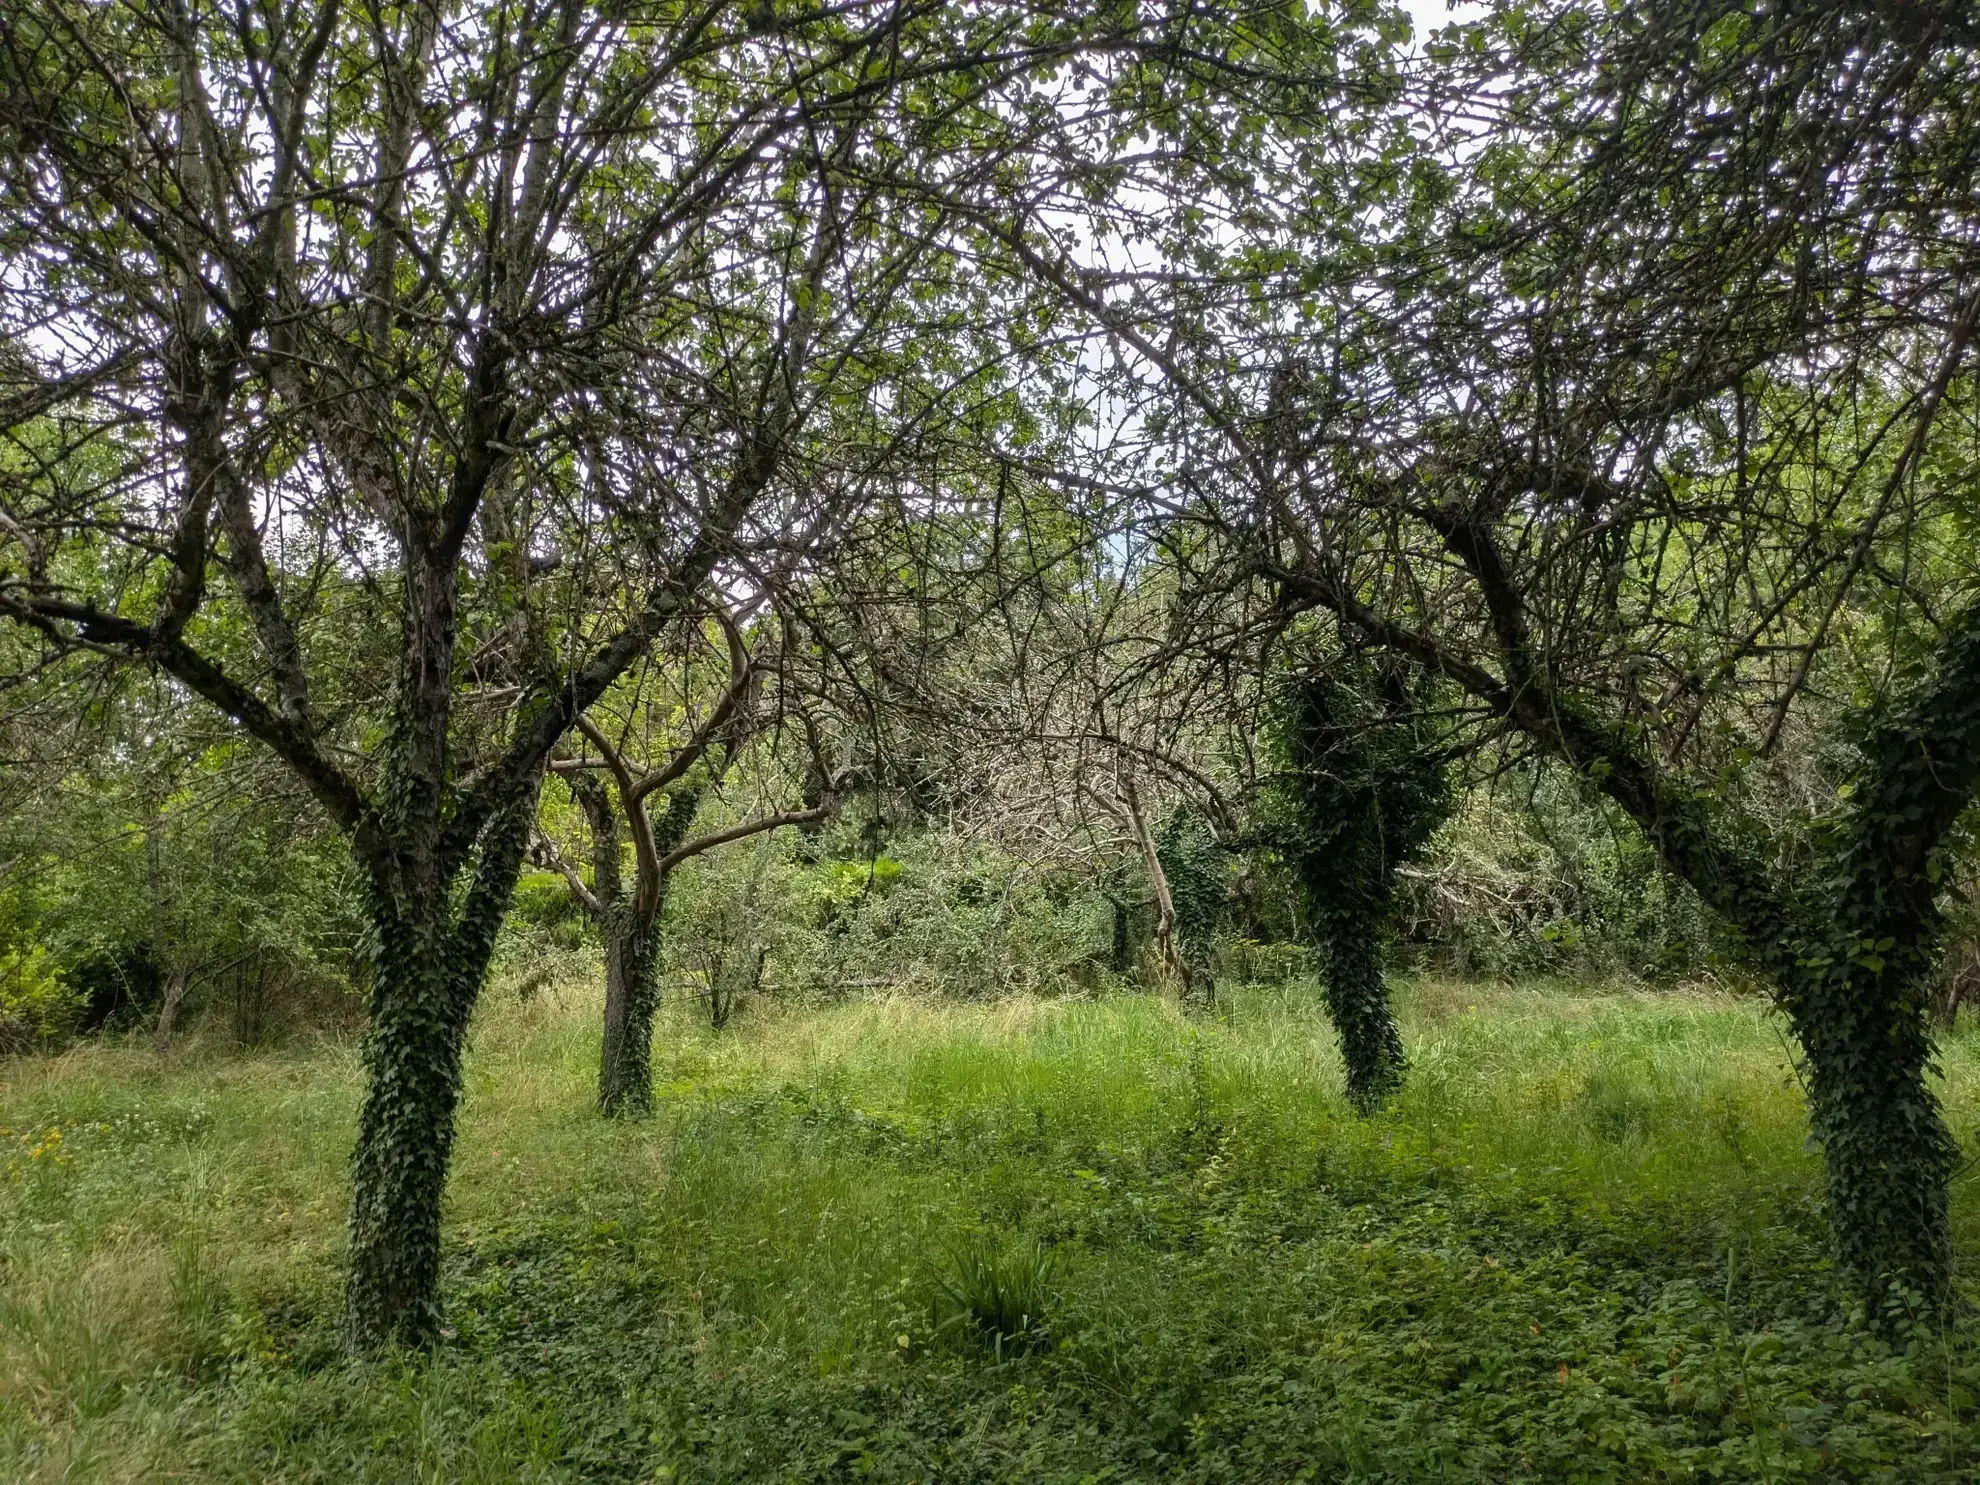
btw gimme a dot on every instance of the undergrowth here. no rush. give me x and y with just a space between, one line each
1028 1240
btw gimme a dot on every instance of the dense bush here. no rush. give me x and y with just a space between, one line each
124 882
1531 877
932 912
37 1008
1536 881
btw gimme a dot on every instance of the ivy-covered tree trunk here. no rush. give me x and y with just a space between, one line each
1851 955
428 963
1858 989
1887 1152
629 929
405 1133
1358 1005
1195 867
1359 793
1850 949
625 1068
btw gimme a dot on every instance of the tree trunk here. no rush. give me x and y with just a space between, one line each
625 1061
625 1067
405 1134
1158 881
1888 1154
168 1008
427 970
1851 957
629 928
1358 1005
1851 953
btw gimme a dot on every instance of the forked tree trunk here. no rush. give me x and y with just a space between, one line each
1851 959
1851 953
631 949
629 933
428 965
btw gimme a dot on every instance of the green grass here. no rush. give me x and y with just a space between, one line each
1586 1244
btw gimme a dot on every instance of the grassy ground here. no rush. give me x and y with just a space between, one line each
1586 1245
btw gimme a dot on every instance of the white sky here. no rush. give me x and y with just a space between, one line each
1434 15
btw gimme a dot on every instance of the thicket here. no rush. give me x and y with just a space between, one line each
165 878
1532 877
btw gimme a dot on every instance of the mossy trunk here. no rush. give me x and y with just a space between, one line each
1358 1005
625 1067
428 964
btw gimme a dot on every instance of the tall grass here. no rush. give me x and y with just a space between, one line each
1585 1243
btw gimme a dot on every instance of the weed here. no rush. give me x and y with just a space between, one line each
1617 1111
997 1292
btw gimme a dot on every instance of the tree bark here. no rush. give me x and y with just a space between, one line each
405 1134
630 940
1851 955
625 1067
168 1008
428 965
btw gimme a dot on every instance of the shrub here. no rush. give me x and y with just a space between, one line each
38 1010
938 913
1532 878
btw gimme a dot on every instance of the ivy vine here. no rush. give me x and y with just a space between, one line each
1360 789
1195 864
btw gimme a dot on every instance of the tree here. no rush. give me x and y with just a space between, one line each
447 357
628 915
1652 386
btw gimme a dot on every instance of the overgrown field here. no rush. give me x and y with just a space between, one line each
1030 1240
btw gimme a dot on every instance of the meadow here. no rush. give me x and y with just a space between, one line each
1042 1240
